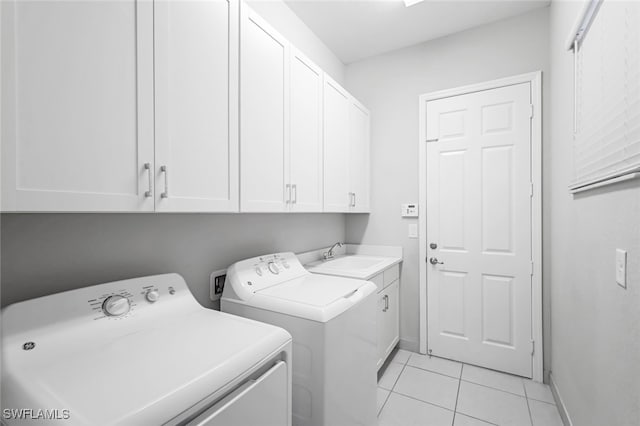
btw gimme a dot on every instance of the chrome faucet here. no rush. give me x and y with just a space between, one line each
329 254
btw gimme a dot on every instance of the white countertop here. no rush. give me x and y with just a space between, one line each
353 261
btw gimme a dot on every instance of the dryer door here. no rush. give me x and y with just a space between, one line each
263 401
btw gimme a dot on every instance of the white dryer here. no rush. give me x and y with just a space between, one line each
333 324
140 352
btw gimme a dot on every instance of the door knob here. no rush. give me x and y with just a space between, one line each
434 261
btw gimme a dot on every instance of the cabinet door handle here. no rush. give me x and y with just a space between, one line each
354 200
287 189
147 167
386 303
165 170
295 193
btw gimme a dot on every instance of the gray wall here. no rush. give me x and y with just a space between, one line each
48 253
595 323
389 85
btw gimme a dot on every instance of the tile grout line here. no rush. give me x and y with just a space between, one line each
455 407
404 365
434 372
498 389
526 397
423 401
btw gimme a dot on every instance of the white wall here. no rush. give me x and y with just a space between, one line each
389 85
595 323
287 23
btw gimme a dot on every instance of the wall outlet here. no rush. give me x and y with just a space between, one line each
621 268
216 284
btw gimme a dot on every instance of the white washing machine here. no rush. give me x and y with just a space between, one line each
141 352
333 324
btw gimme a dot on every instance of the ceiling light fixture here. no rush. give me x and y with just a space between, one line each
408 3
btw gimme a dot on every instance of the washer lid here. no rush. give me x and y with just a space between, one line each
315 297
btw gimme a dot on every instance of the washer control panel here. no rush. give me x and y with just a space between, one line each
251 275
124 302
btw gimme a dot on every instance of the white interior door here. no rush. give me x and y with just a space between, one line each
479 225
77 105
264 114
336 148
196 66
305 146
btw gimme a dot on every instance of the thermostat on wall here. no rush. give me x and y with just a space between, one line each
409 210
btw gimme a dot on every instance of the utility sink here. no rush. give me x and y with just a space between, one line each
351 265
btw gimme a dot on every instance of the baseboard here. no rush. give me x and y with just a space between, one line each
409 345
562 409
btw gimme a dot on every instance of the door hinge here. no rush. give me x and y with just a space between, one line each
532 268
531 190
533 347
530 110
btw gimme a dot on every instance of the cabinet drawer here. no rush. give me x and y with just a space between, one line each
378 280
390 275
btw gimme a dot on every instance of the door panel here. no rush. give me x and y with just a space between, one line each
77 105
479 215
305 147
196 104
359 156
336 148
264 115
258 402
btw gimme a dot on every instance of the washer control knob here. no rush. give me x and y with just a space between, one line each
116 305
152 296
259 271
285 264
273 268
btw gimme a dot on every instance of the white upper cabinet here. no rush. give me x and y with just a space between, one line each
346 151
337 194
264 115
77 106
359 174
171 106
196 83
305 144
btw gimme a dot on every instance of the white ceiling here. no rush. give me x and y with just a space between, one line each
356 29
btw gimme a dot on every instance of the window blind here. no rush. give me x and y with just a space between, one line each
606 43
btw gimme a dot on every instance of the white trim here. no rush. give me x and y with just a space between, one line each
562 408
583 22
616 177
535 79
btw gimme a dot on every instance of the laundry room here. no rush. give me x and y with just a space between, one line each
320 213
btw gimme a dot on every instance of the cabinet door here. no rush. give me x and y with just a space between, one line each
305 146
391 322
336 148
381 316
359 156
77 105
264 115
196 66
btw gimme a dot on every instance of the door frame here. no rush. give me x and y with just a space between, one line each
535 79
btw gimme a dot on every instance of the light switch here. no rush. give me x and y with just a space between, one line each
621 268
413 230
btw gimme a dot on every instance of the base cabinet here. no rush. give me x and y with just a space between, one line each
388 312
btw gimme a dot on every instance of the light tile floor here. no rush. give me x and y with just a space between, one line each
420 390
